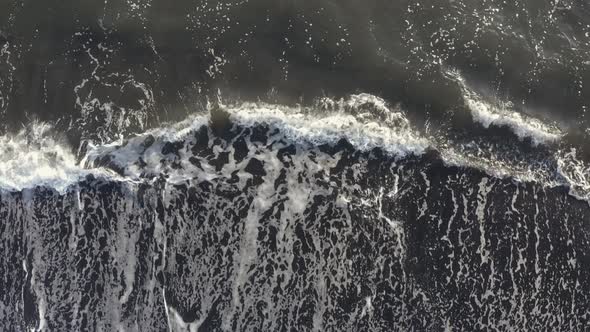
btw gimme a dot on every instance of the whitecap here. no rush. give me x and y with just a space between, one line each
33 157
362 120
487 113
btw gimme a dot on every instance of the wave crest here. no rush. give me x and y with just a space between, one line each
34 157
502 115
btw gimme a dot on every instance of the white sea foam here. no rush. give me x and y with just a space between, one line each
498 166
363 120
487 113
34 158
575 173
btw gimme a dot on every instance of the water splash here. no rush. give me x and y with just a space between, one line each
35 157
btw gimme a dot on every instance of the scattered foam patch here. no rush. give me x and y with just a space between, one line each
575 173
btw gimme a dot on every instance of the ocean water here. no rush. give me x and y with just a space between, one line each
294 166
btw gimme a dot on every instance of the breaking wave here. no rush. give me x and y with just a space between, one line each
34 157
501 114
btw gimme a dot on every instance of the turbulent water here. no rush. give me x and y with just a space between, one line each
294 165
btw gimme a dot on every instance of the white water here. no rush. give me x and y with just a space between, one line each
575 173
34 158
502 115
363 120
